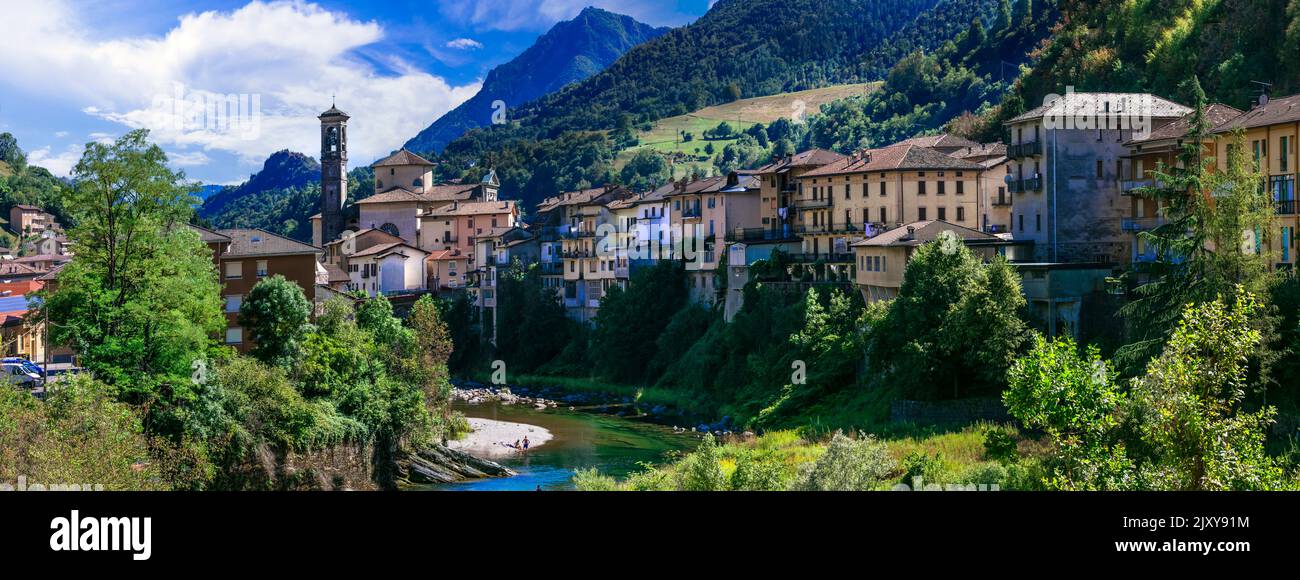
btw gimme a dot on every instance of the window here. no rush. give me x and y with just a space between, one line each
234 335
961 214
1286 153
943 214
943 188
884 263
1038 222
847 194
920 187
882 188
1100 170
920 214
234 270
882 216
233 303
261 268
1022 222
961 187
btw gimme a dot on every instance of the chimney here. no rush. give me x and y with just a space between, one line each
911 233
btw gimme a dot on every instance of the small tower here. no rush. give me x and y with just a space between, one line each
333 172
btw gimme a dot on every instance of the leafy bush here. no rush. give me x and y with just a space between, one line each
1000 445
592 480
758 472
848 465
702 470
921 469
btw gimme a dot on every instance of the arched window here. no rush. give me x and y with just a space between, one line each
390 229
417 183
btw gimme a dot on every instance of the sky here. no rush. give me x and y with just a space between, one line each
222 84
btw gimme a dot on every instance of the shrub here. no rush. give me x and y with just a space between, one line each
921 469
848 465
1000 445
702 470
758 472
592 480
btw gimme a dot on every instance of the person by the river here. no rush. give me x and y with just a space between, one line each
525 443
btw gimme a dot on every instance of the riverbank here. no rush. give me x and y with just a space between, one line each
541 393
494 439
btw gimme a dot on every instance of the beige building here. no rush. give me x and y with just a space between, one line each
882 260
878 190
778 189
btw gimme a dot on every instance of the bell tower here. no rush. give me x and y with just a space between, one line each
333 172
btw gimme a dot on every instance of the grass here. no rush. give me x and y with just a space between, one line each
960 452
664 135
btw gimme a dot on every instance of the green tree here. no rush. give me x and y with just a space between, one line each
629 321
955 326
1199 250
141 301
435 348
646 170
275 315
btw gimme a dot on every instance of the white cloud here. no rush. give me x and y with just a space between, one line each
291 55
187 159
60 163
464 44
541 14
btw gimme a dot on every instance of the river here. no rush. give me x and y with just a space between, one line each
614 445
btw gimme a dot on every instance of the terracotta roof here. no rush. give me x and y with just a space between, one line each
402 158
209 236
581 197
367 231
922 232
43 258
252 242
473 208
809 158
1276 111
26 207
989 150
902 156
16 268
442 255
940 141
336 273
1096 103
53 273
394 195
384 249
1216 115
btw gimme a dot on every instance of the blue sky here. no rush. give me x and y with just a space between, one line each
74 71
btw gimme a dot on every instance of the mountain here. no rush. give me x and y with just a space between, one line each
1120 46
571 51
279 198
738 49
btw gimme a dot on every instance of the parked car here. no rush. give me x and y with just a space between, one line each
29 365
16 373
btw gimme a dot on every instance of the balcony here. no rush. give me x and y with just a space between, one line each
1002 200
757 235
824 257
691 212
1285 207
1135 225
1129 186
812 203
1022 150
1023 185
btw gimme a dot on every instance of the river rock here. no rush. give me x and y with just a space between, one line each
439 464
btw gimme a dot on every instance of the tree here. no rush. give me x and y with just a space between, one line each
1183 426
1199 250
629 321
275 316
141 300
435 348
954 327
1074 398
646 170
